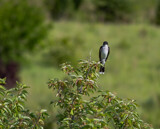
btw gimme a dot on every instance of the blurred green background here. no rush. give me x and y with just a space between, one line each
36 36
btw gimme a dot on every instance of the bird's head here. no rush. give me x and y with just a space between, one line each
105 43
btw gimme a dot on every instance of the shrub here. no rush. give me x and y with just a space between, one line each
13 113
102 111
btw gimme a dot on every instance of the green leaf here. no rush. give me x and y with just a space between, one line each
125 117
24 92
25 117
20 106
41 127
2 81
33 115
73 76
8 100
43 110
25 123
2 88
41 121
67 119
24 87
4 109
2 93
8 110
71 112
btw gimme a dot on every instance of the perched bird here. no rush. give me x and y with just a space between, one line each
103 55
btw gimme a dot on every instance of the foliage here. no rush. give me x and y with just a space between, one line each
102 10
64 8
105 110
22 26
113 10
13 113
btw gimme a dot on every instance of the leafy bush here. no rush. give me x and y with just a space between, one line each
102 111
13 114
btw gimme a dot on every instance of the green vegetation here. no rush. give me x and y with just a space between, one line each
20 31
114 10
103 111
13 112
64 8
124 11
132 70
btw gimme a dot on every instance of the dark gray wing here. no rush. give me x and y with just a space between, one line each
108 53
100 49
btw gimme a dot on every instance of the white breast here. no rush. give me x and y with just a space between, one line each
104 52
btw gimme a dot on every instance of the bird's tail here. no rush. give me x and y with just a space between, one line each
102 69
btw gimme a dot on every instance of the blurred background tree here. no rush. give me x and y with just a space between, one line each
64 8
157 18
22 26
114 10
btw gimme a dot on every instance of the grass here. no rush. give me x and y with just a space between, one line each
132 71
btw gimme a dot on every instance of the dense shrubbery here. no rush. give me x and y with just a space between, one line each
13 114
105 110
22 26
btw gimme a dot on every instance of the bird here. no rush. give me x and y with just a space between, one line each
104 52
